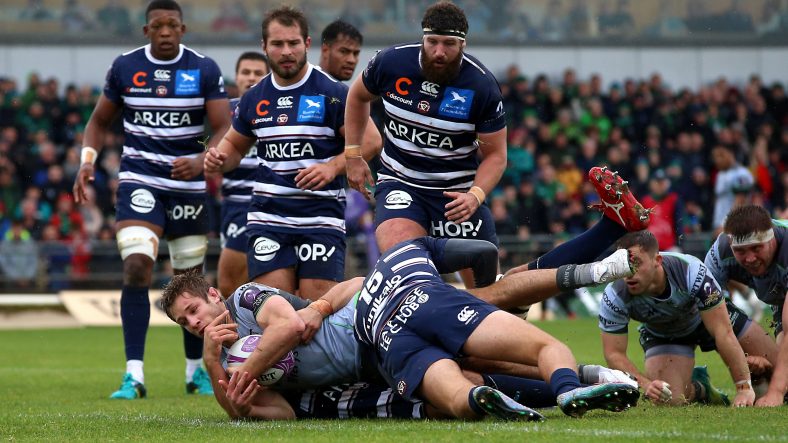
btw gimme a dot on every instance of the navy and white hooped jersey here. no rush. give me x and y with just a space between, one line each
164 113
359 400
692 289
296 127
237 184
332 357
431 130
770 287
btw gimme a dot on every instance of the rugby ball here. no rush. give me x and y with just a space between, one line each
243 348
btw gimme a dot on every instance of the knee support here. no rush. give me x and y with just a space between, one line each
137 240
188 252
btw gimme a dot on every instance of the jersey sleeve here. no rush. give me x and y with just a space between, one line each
372 75
492 117
613 313
713 263
214 82
254 296
706 291
338 101
241 119
112 87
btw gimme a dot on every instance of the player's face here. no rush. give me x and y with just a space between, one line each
440 58
756 259
286 50
164 30
648 268
341 57
249 73
195 313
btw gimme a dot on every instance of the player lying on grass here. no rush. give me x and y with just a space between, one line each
329 354
680 306
753 250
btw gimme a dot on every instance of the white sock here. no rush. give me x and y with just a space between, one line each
134 367
191 365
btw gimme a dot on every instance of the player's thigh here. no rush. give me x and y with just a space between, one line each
397 230
672 364
320 262
271 259
446 388
480 226
506 337
756 341
314 288
231 270
400 214
283 278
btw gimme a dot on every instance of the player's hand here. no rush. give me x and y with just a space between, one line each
240 390
214 160
771 399
315 177
461 207
658 391
215 334
359 176
186 168
744 398
313 320
759 366
85 175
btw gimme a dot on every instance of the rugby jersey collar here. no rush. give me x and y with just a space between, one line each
153 59
309 67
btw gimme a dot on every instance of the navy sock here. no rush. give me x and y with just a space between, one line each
192 345
472 402
584 248
563 380
135 317
528 392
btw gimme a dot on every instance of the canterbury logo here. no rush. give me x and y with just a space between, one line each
617 208
466 315
283 102
429 88
161 75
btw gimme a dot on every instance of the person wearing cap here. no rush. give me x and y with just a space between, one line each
753 250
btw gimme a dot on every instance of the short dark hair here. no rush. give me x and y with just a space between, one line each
191 282
169 5
250 55
445 16
746 219
339 27
645 239
287 16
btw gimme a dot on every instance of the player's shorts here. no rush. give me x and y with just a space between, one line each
233 233
777 319
653 345
359 400
179 215
430 323
313 255
394 199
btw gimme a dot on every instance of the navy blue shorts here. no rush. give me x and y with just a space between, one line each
179 216
319 256
394 199
233 233
430 323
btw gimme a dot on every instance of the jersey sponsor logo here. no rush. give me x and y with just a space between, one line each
429 88
263 120
161 90
284 102
499 108
612 307
401 387
467 315
187 81
282 119
260 107
142 201
265 249
452 229
401 85
398 200
139 90
162 118
139 79
456 103
161 75
184 212
419 136
311 108
407 309
397 98
288 150
423 106
314 252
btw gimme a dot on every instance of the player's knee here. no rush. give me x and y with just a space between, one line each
137 240
188 252
137 270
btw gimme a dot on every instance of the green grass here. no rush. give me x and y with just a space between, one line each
54 386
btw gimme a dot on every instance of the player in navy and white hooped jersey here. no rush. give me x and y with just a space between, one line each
296 223
237 187
443 112
168 96
680 306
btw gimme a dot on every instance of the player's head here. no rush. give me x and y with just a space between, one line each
723 156
751 234
285 41
191 302
249 69
164 28
444 25
339 49
644 249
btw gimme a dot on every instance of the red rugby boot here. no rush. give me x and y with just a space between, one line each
618 203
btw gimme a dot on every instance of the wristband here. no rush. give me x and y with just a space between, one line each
88 155
352 151
744 385
478 193
322 306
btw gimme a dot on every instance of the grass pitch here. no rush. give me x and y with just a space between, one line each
54 386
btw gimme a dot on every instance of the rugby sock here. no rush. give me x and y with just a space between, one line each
135 317
563 380
192 345
472 402
584 248
528 392
589 374
134 367
191 365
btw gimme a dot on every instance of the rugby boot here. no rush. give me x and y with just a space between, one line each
617 202
613 267
130 389
200 384
498 405
615 397
713 395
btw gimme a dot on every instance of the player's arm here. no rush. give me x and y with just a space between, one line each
218 116
492 147
232 148
216 333
334 299
282 330
358 140
778 385
614 347
96 130
251 401
718 324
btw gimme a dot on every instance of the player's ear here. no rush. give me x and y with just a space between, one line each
214 296
308 42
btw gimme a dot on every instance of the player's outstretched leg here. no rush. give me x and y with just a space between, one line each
498 405
617 202
615 397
